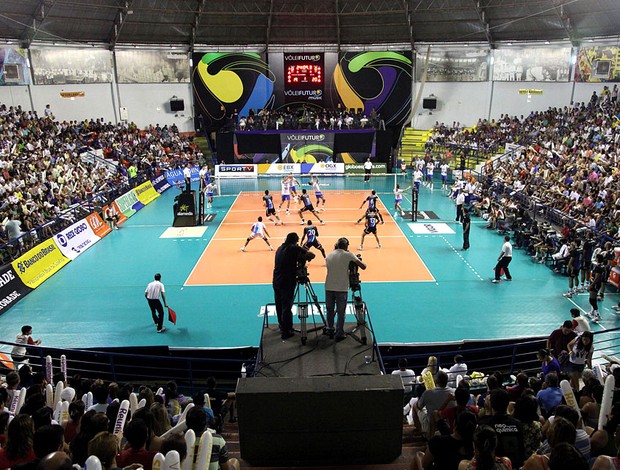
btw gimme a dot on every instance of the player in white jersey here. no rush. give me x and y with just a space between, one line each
293 183
258 230
314 182
444 175
210 189
430 168
398 199
417 177
285 193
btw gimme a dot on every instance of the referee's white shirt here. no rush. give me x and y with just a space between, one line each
154 290
507 250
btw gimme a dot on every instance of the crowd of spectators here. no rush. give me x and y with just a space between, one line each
42 175
36 437
306 117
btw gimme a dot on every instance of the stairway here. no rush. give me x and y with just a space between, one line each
411 444
413 144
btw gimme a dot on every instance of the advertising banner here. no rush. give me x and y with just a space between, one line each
76 239
598 64
359 168
175 177
307 147
160 183
322 168
97 225
532 64
12 289
146 193
236 171
115 209
279 168
458 65
128 204
39 264
144 66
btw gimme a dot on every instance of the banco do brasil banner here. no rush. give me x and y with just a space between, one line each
39 263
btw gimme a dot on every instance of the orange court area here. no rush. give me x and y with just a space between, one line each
223 262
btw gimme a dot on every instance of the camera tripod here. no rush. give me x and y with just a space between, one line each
303 304
361 312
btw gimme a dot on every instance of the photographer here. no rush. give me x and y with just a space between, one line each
285 280
337 285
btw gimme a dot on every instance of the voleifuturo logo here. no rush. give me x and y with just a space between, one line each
305 137
309 58
310 94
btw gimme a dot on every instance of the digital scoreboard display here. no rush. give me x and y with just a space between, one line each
303 77
304 74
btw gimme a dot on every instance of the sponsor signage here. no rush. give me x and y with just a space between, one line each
12 289
236 171
76 239
97 225
161 184
323 168
279 168
146 193
427 228
175 177
39 263
115 210
359 167
128 204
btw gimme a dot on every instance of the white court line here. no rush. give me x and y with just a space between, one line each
463 259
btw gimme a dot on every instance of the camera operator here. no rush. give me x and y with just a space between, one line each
337 285
285 279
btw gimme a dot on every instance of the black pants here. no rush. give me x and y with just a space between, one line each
284 296
503 264
367 175
466 238
156 306
459 212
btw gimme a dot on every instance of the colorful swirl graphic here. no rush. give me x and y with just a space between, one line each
225 82
376 80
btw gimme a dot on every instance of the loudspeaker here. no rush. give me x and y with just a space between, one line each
320 420
177 105
429 103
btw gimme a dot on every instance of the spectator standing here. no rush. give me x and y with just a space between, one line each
558 341
548 363
580 354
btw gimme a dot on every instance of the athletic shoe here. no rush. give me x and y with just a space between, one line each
287 212
597 317
278 209
616 308
163 328
379 245
302 222
361 247
395 214
600 297
270 248
495 281
243 248
568 294
322 222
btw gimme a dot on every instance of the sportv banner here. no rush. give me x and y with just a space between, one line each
359 168
39 264
236 171
160 183
12 289
323 168
307 147
175 177
76 239
279 168
146 193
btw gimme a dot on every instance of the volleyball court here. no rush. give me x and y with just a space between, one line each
223 262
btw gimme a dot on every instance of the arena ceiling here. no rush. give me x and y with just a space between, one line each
339 23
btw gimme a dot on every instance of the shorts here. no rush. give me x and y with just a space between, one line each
271 211
254 235
397 201
292 188
314 243
286 197
444 177
586 265
209 194
417 185
319 195
309 208
572 367
368 230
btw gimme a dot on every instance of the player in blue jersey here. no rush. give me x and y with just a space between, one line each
314 182
372 203
311 236
258 230
308 207
270 209
373 216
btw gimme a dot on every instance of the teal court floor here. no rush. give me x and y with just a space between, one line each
98 299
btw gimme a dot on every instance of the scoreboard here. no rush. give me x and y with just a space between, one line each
303 77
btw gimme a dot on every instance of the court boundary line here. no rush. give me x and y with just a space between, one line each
206 247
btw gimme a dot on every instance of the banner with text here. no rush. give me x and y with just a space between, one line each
115 209
97 225
279 168
322 168
236 171
76 239
160 183
128 204
359 168
307 147
12 289
176 178
39 263
146 193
